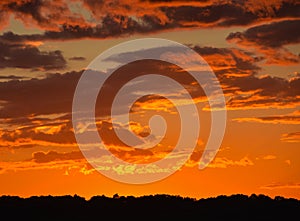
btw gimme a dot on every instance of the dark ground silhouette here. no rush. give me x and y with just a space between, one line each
152 207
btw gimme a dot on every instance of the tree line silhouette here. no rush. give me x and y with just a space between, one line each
158 207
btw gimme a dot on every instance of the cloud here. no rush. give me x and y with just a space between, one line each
229 62
79 165
43 134
27 56
42 157
269 157
244 89
138 156
50 95
293 137
32 115
77 58
30 137
269 40
116 146
26 105
12 77
220 162
262 92
288 162
293 118
43 14
281 186
4 18
107 131
223 162
197 13
229 65
38 112
74 161
275 34
103 19
237 72
154 103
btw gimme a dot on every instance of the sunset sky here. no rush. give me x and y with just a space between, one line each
252 46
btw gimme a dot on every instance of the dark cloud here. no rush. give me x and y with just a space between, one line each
27 105
29 8
10 37
77 58
44 14
136 155
42 157
112 26
199 13
269 39
55 134
50 95
12 77
119 18
293 118
235 69
27 56
255 92
214 15
275 34
227 62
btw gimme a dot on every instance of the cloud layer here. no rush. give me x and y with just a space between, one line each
29 57
270 39
102 19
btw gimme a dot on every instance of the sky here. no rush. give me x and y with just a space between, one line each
252 47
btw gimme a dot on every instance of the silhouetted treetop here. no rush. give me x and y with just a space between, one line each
161 206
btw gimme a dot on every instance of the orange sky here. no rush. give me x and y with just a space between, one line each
253 48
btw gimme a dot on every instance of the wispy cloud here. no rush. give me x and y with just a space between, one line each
293 137
223 162
281 186
269 157
262 92
63 165
293 118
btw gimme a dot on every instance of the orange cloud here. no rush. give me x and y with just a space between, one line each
41 134
293 137
156 103
293 118
281 186
102 19
269 157
222 162
138 129
49 129
268 92
66 161
42 14
229 62
288 162
31 165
